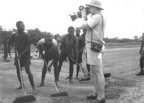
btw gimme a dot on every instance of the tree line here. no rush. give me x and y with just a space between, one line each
36 34
123 40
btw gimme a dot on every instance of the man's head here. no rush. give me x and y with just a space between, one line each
48 40
71 30
20 26
77 31
94 6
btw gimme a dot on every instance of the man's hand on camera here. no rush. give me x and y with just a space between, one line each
73 17
84 14
79 14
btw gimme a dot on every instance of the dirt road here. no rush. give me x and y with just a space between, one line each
122 87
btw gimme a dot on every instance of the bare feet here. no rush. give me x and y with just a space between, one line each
57 84
20 87
67 77
77 77
34 91
41 85
70 81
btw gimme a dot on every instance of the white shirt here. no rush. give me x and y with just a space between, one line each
95 31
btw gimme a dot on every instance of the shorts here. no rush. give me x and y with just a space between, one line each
93 58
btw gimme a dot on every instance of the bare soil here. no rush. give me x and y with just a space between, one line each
122 87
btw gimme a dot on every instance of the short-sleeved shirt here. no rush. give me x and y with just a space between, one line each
95 23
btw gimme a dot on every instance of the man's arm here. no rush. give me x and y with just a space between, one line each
76 49
142 44
11 40
28 41
63 42
90 23
40 46
41 52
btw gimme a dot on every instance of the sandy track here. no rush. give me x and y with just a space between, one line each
122 87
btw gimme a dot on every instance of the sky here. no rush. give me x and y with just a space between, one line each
124 18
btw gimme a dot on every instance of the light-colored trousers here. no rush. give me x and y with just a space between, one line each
98 78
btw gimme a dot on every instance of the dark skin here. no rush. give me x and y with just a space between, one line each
142 57
87 65
69 50
51 53
5 37
5 50
22 43
78 32
81 44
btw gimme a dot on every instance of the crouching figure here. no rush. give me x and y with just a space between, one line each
48 48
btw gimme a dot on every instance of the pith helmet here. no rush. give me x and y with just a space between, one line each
95 3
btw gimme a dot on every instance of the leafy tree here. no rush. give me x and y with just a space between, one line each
45 34
1 29
35 35
4 35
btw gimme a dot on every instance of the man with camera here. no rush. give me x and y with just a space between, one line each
94 46
69 49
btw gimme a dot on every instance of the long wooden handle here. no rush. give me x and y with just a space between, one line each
21 77
51 77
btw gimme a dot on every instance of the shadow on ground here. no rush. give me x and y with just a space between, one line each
117 85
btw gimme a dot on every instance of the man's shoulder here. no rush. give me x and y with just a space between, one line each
26 34
15 34
75 37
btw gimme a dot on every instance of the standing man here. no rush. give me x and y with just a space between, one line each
78 32
142 57
69 48
5 43
87 65
94 25
80 50
5 37
22 47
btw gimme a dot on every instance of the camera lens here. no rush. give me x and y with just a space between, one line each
81 8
